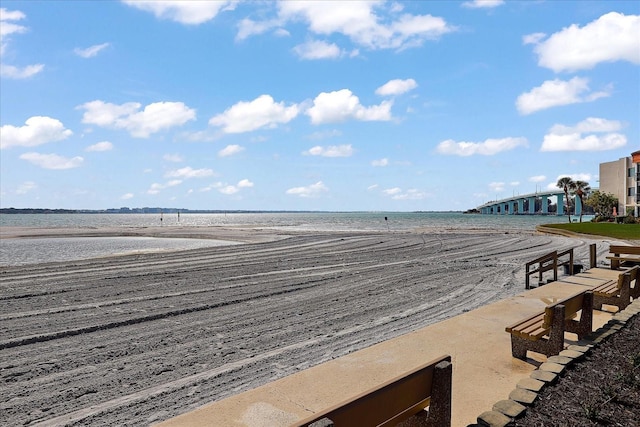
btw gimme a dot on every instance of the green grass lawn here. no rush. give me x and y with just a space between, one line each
605 229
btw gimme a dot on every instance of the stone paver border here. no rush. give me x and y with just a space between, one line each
526 392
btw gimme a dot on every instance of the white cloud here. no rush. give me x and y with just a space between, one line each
361 23
483 4
341 105
396 87
154 118
8 26
248 27
127 196
331 151
612 37
14 72
230 150
36 131
229 189
601 136
52 161
106 114
381 162
537 178
534 38
262 112
392 191
26 187
486 148
233 189
174 158
311 191
592 124
100 146
317 49
189 172
397 193
190 12
553 93
91 51
156 187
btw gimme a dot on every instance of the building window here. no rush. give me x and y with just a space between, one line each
631 192
631 172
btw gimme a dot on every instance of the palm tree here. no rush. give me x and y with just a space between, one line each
580 188
565 183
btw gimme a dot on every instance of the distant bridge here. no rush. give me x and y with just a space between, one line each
516 205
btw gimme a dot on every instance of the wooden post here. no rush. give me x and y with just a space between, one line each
592 255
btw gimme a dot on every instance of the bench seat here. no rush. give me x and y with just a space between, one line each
618 261
621 254
544 332
531 328
617 293
608 289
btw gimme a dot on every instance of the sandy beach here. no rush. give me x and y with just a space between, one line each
137 339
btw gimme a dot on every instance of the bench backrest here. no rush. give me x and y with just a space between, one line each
390 403
619 249
634 275
572 305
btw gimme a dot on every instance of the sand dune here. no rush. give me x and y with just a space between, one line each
132 340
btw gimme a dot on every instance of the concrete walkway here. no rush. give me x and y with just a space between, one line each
484 371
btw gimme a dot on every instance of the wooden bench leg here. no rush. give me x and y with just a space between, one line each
584 326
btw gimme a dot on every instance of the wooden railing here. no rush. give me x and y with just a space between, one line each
548 262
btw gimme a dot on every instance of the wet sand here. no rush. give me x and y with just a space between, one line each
137 339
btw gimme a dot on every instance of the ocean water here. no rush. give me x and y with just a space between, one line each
38 250
313 221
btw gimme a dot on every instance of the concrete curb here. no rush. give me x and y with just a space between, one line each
526 392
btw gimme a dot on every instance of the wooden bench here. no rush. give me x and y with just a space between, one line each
544 332
617 292
397 400
622 254
548 262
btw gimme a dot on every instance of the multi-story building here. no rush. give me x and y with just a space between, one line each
622 179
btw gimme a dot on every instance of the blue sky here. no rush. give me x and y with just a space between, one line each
325 105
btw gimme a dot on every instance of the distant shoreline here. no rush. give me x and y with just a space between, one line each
182 211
